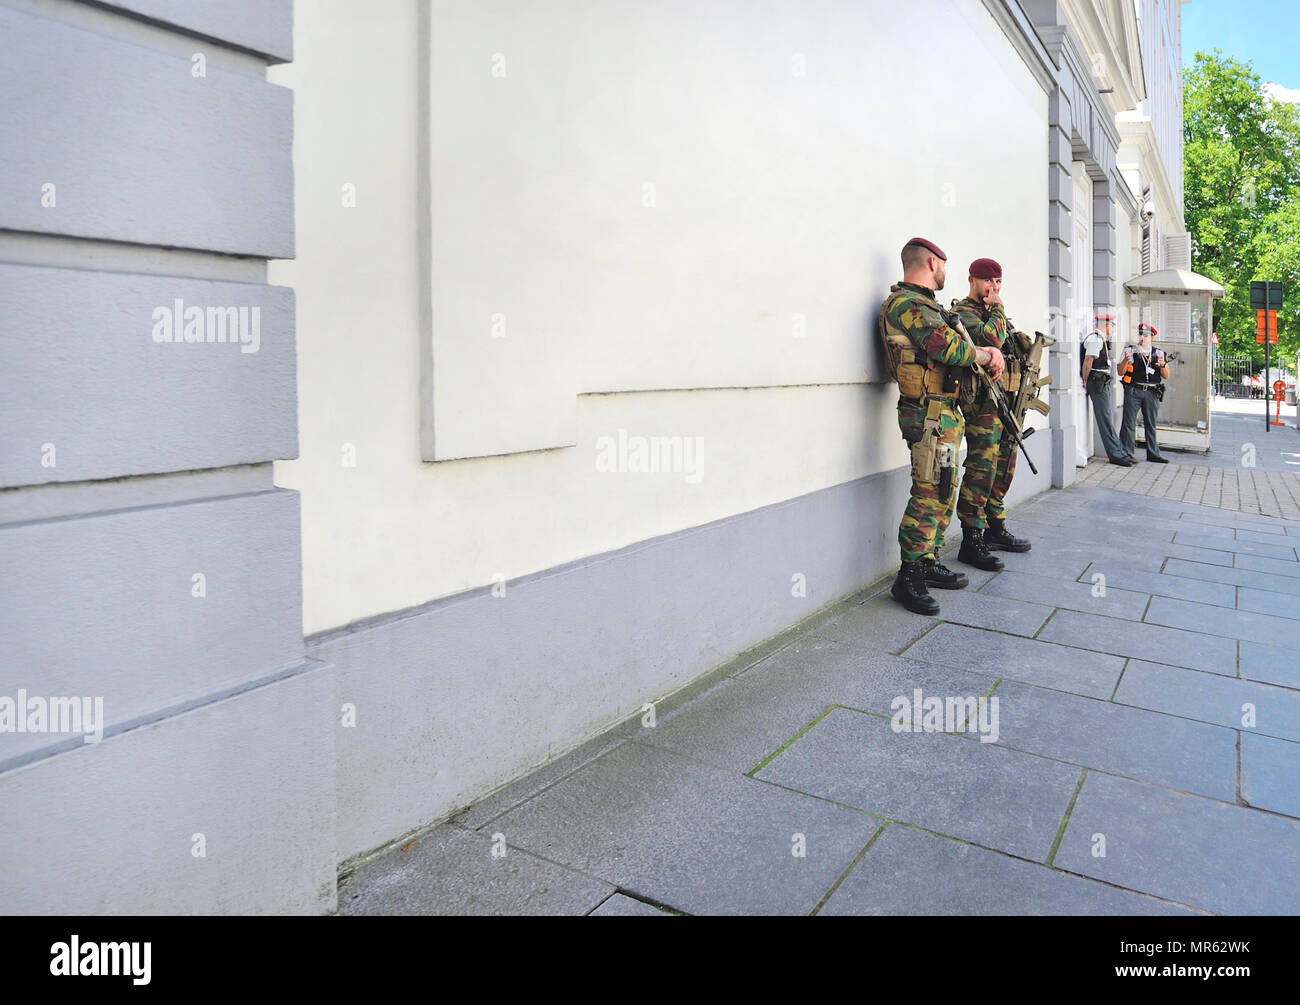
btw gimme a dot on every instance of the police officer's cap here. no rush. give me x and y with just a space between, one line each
1144 327
985 268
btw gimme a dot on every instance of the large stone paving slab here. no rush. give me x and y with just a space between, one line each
1270 664
910 872
881 619
688 836
1065 556
1113 603
1211 698
1276 536
1279 567
1143 641
980 792
1234 577
1188 849
1237 546
452 871
739 725
1221 518
522 789
1027 660
1162 584
1171 751
735 725
1220 621
887 626
1270 773
1279 605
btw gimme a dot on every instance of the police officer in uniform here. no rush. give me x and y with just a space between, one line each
1142 368
1097 378
927 356
990 456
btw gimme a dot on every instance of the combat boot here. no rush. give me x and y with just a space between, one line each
975 552
941 576
909 590
997 537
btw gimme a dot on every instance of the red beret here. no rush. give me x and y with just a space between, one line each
1150 328
934 248
985 268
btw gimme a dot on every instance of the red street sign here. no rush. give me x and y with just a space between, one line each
1271 321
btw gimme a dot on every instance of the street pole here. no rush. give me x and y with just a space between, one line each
1268 289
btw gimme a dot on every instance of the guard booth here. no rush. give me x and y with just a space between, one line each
1181 306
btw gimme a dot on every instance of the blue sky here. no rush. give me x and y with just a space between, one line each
1266 32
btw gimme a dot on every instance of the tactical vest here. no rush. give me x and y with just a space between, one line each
1141 375
1101 362
919 377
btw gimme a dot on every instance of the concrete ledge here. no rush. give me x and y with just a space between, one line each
108 606
134 396
111 827
261 26
138 148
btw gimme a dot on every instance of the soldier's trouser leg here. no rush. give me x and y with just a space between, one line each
983 434
933 491
1149 407
1128 426
1007 452
1102 407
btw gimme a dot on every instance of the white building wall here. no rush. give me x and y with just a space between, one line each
736 309
506 292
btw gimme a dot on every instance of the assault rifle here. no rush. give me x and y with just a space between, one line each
1029 354
996 394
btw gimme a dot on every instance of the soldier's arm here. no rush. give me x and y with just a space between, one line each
926 328
992 331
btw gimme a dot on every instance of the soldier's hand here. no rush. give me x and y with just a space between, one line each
991 299
996 363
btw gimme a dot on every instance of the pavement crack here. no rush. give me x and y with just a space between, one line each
852 865
788 743
1060 834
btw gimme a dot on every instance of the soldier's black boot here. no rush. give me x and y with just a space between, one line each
909 590
941 576
975 552
996 536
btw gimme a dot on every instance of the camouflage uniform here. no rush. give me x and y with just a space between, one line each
990 465
913 311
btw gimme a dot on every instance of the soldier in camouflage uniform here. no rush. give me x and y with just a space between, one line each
927 357
990 457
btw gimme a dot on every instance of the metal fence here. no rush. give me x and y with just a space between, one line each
1242 377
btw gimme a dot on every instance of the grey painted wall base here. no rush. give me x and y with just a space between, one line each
460 696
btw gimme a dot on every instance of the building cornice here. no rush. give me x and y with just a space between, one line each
1024 39
1094 35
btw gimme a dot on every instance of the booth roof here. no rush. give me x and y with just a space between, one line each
1174 283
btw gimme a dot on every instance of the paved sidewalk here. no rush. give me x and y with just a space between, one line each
1142 756
1248 470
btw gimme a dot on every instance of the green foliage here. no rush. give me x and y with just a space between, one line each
1241 185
